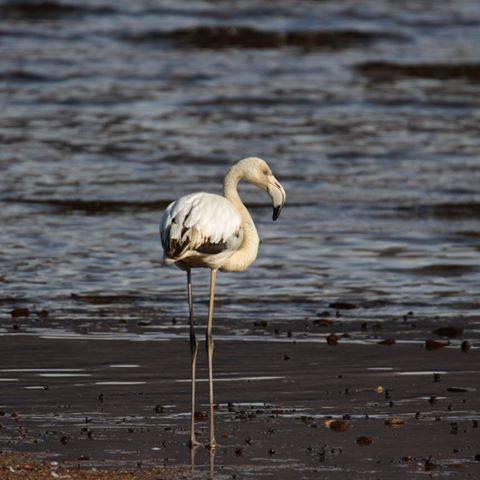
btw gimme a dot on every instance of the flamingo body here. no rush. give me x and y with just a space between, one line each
200 230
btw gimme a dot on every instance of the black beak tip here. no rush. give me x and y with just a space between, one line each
276 212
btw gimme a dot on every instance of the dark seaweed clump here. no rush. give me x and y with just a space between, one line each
218 37
387 71
48 9
92 207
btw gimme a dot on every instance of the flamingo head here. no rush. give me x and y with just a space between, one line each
257 171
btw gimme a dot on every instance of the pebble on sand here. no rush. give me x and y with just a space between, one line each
363 440
435 344
394 422
337 425
20 312
332 339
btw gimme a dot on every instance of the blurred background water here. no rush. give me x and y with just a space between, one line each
366 111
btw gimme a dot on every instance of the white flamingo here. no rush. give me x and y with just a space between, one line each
211 231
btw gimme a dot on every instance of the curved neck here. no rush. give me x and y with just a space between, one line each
247 253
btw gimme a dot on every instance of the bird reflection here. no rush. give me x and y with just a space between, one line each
193 456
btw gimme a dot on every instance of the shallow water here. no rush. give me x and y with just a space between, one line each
366 111
110 112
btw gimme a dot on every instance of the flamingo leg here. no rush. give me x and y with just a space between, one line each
209 344
193 351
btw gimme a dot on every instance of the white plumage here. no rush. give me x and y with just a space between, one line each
200 224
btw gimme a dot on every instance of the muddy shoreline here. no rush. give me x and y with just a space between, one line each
123 403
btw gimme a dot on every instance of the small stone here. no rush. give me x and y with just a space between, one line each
387 341
343 306
200 415
364 440
260 323
430 464
394 422
434 344
339 425
458 389
332 339
20 312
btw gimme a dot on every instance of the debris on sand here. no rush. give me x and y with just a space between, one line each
322 322
387 341
333 339
20 312
459 389
449 331
144 323
337 425
343 306
394 422
260 323
363 440
199 416
435 344
430 464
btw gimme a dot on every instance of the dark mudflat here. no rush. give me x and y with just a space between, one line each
125 404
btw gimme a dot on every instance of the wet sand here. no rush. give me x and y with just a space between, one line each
397 409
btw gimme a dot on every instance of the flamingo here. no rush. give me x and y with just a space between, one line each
203 230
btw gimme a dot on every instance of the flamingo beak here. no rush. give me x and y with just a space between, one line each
277 194
276 212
